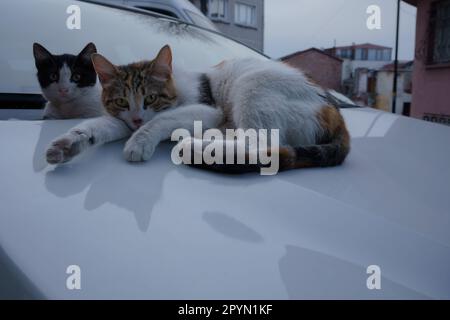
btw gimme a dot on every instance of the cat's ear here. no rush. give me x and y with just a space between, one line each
41 55
106 71
163 63
87 52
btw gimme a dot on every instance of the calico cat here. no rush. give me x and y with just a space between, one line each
148 100
69 83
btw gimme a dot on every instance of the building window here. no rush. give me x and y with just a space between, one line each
383 55
438 118
372 56
379 55
359 54
364 54
348 53
217 9
344 53
439 50
245 14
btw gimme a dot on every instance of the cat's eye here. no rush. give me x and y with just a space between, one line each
150 99
121 102
76 77
53 76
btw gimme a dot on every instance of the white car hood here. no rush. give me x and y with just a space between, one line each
160 231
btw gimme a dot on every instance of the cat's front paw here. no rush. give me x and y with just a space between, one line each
66 147
139 148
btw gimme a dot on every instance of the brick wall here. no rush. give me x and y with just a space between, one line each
323 69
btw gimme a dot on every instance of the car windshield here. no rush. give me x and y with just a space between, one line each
122 36
200 20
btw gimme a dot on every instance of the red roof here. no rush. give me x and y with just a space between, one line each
308 50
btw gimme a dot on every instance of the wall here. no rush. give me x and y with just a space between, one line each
431 85
324 70
371 65
384 90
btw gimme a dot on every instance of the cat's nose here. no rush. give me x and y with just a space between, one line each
63 90
137 122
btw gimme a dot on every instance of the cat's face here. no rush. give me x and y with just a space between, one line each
64 77
136 92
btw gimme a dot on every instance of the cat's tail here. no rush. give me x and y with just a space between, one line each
321 155
328 154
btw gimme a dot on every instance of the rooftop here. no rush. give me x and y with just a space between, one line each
402 65
361 46
308 50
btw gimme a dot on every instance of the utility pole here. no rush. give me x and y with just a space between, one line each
394 90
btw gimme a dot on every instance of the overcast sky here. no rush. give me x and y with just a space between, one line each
294 25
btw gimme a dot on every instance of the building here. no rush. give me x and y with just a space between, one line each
367 55
359 70
373 88
431 75
362 52
384 85
242 20
322 68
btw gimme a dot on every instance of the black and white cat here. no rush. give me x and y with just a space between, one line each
69 83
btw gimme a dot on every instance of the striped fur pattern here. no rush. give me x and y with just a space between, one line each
134 93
